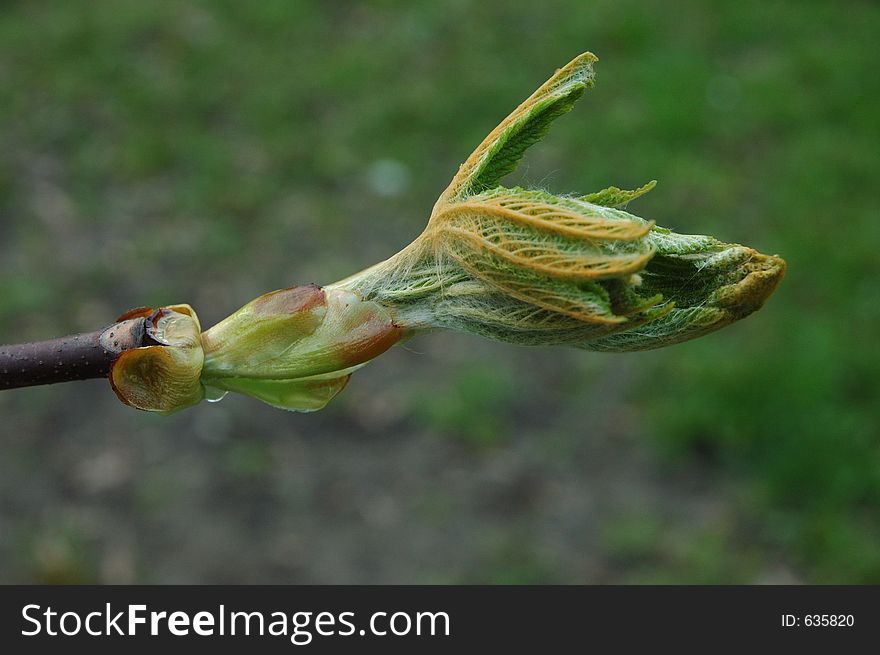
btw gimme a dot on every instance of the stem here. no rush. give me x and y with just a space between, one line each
75 357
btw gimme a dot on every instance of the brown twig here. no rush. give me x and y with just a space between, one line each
74 357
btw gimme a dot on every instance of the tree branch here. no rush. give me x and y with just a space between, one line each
74 357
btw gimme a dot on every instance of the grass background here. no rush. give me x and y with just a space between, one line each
206 152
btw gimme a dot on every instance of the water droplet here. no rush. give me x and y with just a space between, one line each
214 395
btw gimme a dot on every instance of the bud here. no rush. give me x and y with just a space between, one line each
296 348
163 377
512 264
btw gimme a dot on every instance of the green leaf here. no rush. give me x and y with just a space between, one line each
500 152
614 197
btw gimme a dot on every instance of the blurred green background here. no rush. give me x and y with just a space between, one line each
206 152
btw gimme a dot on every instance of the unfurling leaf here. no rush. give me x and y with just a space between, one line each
530 267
